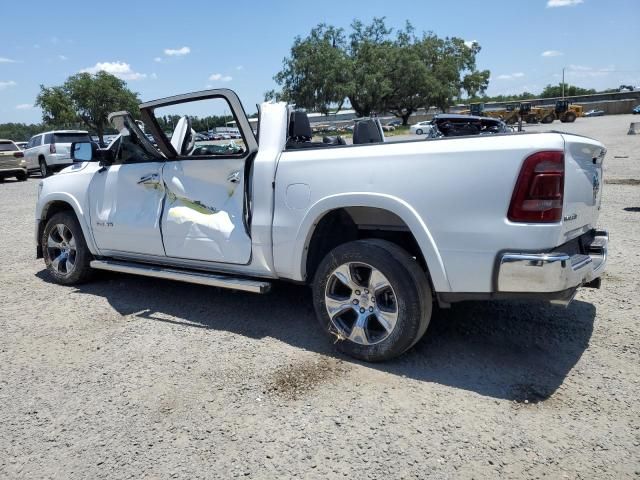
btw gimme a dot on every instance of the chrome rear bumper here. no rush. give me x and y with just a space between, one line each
553 271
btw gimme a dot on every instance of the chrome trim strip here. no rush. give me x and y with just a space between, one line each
221 281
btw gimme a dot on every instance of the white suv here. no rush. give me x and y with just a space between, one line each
49 151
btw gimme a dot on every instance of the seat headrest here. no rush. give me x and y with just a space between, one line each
299 127
366 131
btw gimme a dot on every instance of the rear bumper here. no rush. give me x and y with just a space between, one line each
10 171
554 271
58 160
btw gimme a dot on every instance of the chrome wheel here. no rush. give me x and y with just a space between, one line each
361 303
61 248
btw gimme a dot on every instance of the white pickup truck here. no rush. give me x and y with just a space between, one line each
381 231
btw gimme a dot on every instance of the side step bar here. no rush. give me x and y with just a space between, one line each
189 276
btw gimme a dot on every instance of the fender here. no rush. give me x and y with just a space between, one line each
367 199
49 198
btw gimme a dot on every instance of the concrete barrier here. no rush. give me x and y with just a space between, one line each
634 128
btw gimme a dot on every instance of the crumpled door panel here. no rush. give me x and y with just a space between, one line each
203 211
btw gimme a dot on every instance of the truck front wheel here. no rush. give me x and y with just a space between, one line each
65 251
373 298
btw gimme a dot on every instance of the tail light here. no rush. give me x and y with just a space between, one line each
538 194
18 154
52 148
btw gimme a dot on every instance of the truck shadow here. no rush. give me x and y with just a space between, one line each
506 350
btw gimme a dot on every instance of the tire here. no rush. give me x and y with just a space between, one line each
419 131
548 119
45 170
569 117
403 299
22 177
64 249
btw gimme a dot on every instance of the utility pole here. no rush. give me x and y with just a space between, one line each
562 83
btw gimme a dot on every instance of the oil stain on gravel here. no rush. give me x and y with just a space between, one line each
294 381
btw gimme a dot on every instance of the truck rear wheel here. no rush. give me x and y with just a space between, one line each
373 298
569 117
64 249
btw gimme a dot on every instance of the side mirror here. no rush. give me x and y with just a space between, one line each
89 152
83 151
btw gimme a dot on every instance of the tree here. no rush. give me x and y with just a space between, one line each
551 91
315 76
376 71
87 98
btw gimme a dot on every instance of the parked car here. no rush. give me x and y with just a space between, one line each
21 145
12 162
49 152
636 109
381 231
420 128
454 125
395 123
594 113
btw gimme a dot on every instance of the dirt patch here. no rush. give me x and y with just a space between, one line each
297 380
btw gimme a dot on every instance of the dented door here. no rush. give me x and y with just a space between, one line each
203 218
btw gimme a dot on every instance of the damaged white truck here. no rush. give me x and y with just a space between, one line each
381 231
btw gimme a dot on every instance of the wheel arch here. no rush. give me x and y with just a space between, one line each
327 210
60 202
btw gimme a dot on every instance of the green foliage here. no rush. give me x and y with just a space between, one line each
168 122
551 91
87 99
19 132
377 71
315 76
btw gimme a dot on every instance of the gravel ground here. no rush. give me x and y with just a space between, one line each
128 377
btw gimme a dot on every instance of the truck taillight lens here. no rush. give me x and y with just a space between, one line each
52 148
18 154
538 194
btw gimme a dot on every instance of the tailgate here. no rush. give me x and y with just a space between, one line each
583 184
7 160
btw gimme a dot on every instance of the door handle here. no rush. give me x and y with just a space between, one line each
150 179
234 177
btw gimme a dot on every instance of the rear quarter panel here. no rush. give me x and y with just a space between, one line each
453 194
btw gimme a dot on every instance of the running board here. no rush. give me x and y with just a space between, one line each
189 276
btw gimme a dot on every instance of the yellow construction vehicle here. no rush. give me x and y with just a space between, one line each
563 111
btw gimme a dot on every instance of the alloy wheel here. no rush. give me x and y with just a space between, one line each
61 247
361 303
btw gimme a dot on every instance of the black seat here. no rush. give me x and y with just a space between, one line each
367 131
300 134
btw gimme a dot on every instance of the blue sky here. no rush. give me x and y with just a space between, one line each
163 48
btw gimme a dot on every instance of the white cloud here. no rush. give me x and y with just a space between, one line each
552 53
7 84
510 76
158 59
581 71
239 67
154 75
7 60
62 57
119 69
177 52
36 45
24 106
469 43
218 77
55 40
563 3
